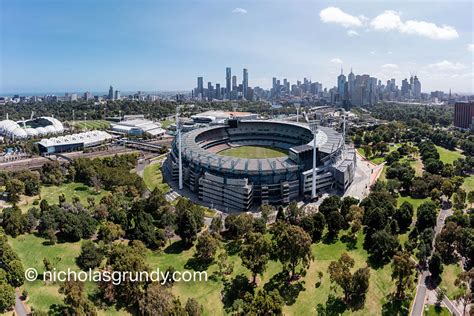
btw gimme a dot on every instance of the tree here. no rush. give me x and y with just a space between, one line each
404 216
206 247
426 215
383 246
159 301
459 200
255 254
330 204
14 222
125 258
190 219
108 232
294 213
90 257
14 189
359 287
402 272
470 197
463 282
266 210
7 297
293 246
216 224
447 188
263 303
354 286
435 265
146 231
224 266
335 223
238 225
193 308
76 303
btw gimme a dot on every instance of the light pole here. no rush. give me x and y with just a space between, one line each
180 162
314 128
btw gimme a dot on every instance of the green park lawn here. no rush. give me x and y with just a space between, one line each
468 184
303 302
31 250
166 123
91 124
51 194
254 152
449 275
448 156
153 177
378 159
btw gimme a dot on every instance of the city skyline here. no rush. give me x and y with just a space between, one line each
133 48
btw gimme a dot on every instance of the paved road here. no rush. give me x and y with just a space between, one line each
20 309
419 303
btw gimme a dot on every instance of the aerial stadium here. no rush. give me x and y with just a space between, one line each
31 128
250 162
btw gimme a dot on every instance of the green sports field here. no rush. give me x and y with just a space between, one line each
254 152
91 124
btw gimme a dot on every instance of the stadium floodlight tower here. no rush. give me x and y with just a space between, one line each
180 158
314 128
297 106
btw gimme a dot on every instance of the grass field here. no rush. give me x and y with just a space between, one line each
378 159
468 184
91 124
254 152
304 302
62 256
448 156
449 275
51 193
166 123
153 177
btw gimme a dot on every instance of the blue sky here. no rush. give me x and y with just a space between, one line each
73 45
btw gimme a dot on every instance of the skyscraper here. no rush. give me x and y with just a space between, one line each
350 84
234 82
341 82
218 91
228 75
416 88
245 83
117 95
111 93
200 88
464 115
87 96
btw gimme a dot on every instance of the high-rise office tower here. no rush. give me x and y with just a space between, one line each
210 91
350 84
218 91
117 95
234 82
111 93
87 96
416 88
200 88
245 84
405 88
341 81
228 75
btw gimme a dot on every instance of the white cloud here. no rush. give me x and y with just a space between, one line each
389 52
372 52
470 47
352 33
390 20
336 61
239 11
446 66
429 30
336 15
390 66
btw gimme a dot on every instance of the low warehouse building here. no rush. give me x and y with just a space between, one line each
73 142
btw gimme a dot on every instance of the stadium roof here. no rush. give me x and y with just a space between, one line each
80 138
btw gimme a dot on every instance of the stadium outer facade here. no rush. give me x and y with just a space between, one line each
236 183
